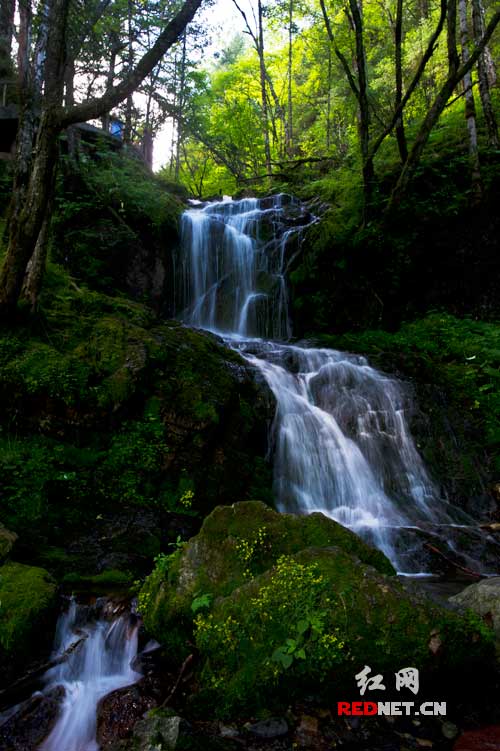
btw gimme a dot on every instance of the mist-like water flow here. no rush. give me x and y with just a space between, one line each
98 665
341 440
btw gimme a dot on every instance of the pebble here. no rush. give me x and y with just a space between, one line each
274 727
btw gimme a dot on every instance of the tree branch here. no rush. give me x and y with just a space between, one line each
94 108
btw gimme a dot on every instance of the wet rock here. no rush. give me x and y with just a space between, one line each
7 541
484 599
119 711
274 727
150 660
307 733
484 739
32 723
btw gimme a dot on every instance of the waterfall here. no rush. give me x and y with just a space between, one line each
99 664
233 267
341 439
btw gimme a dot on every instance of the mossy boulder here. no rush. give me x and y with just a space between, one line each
28 598
311 623
120 410
7 541
483 598
235 544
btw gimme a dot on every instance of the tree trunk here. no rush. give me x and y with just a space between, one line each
129 103
470 106
484 78
289 130
455 74
7 9
33 180
329 101
110 78
32 284
398 38
181 100
262 68
364 108
27 218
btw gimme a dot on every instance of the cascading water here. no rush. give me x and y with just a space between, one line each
99 664
233 268
341 440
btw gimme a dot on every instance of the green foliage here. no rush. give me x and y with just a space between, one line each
201 602
132 469
283 631
307 623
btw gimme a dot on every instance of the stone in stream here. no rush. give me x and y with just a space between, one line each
119 711
32 723
273 727
484 599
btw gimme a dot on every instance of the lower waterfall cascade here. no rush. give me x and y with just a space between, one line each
341 441
101 663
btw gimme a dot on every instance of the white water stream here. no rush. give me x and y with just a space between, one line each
100 664
341 439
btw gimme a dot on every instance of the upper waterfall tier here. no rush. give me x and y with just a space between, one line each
231 275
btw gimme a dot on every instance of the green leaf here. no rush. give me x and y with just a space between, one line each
302 626
200 602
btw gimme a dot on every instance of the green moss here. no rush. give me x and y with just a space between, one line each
102 403
27 597
313 621
235 543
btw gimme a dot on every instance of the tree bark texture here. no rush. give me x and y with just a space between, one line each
470 105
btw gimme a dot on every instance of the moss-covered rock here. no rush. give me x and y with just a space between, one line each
121 410
235 544
28 596
116 227
312 622
7 540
